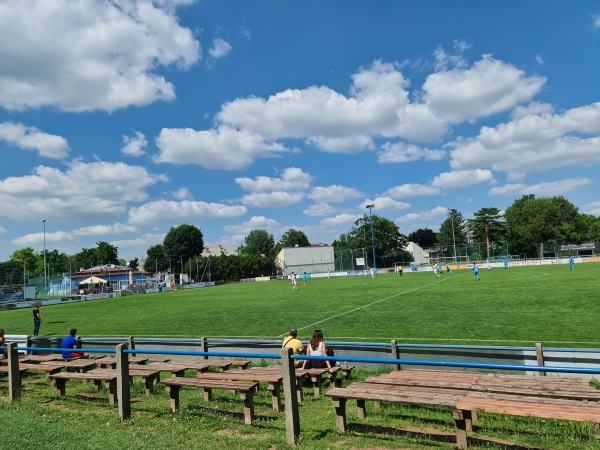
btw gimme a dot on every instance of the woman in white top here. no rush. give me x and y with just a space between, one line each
316 347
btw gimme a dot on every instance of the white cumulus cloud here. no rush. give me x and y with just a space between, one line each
30 138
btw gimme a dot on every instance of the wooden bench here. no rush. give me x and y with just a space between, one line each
245 389
277 370
527 406
40 358
48 369
149 377
316 376
346 370
111 363
273 380
59 380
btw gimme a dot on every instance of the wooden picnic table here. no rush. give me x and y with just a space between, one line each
78 365
177 370
316 376
466 393
110 362
41 358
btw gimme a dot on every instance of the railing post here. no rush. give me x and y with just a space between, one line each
292 414
203 346
395 354
14 376
539 356
123 394
131 343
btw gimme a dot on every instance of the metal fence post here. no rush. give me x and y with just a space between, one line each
123 393
395 353
539 356
14 376
131 343
203 346
292 414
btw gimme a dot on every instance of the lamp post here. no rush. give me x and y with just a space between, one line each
45 288
370 208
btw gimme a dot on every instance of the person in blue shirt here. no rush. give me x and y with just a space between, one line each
475 272
71 342
571 262
448 269
506 263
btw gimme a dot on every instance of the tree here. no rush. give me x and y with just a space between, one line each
388 239
452 230
106 253
157 259
292 238
183 242
258 242
532 221
27 259
423 237
134 263
487 227
592 225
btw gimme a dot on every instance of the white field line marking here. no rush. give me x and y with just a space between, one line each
439 280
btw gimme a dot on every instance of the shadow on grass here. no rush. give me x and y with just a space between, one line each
438 436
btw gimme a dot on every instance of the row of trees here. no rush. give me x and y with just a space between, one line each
528 222
27 263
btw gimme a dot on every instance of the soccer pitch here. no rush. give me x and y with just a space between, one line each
515 306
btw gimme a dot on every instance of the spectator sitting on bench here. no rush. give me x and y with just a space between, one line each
294 343
316 347
3 352
71 342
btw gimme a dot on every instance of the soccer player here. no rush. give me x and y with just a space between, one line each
476 272
436 270
305 276
457 265
506 263
294 282
571 262
448 269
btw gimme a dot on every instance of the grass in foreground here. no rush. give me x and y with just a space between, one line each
83 420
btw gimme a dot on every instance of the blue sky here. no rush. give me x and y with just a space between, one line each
121 119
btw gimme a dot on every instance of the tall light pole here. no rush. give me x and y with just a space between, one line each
370 207
45 288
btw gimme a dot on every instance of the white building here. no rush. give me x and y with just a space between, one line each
314 259
417 252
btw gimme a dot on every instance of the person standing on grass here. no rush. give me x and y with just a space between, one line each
476 271
448 269
571 262
37 320
506 263
294 282
304 277
292 341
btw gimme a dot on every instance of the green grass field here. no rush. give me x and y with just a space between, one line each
516 306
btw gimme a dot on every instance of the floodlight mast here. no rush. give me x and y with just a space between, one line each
45 283
370 208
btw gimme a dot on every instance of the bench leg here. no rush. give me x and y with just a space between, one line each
361 410
207 394
112 392
248 399
340 414
275 389
174 397
462 419
97 385
316 381
299 392
60 385
148 384
377 405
